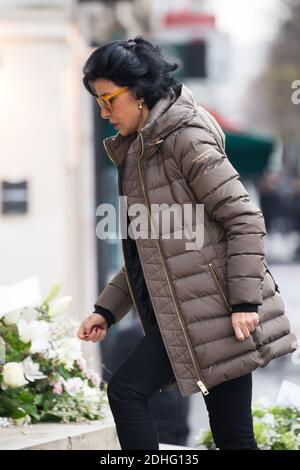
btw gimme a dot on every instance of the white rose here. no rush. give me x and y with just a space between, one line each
58 307
12 317
13 375
36 331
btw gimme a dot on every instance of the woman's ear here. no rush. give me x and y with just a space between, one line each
138 94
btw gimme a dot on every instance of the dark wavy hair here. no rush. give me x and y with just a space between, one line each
136 63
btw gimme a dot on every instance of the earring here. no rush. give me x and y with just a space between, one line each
140 105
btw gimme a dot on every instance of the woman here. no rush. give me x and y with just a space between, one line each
210 315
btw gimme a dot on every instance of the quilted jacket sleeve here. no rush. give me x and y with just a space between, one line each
115 297
216 184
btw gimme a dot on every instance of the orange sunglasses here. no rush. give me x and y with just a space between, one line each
105 100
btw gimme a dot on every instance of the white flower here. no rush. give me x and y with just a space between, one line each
50 353
29 314
90 400
82 364
5 422
68 351
91 394
13 375
64 329
58 307
73 385
263 402
93 376
19 295
37 332
268 419
12 317
32 370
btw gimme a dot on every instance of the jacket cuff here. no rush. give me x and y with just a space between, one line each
244 308
107 314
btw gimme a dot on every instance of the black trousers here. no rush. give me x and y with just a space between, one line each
145 371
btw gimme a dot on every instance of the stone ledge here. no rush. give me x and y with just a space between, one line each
95 435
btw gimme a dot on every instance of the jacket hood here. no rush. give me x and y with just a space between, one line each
179 109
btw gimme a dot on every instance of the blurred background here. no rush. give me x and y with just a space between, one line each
241 61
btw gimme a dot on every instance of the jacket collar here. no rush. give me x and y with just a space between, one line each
166 116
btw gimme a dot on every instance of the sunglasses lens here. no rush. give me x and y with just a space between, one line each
103 103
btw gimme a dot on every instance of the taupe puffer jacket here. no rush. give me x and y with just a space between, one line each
179 157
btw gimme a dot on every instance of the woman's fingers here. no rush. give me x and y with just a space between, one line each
97 334
241 333
238 333
244 323
100 335
93 333
93 328
245 331
82 333
250 327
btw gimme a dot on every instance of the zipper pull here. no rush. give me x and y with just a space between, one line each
202 387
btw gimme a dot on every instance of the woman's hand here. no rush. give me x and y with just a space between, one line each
244 324
93 328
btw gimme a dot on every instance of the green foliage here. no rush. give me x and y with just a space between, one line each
275 428
15 349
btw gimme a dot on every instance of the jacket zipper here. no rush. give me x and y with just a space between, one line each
131 293
125 265
219 284
200 382
268 271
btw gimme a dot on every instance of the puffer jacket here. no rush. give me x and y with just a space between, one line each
179 158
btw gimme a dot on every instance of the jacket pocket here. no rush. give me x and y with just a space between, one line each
220 286
275 283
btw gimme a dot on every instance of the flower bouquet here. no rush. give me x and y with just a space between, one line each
275 428
43 374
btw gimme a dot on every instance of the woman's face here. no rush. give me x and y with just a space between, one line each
125 114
